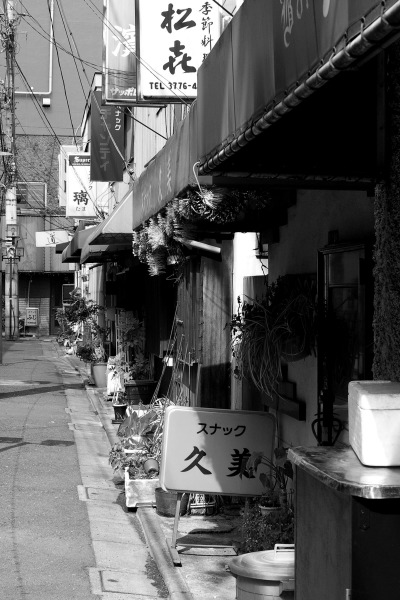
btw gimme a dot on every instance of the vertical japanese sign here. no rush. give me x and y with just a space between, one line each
185 31
106 141
119 48
80 201
11 207
206 450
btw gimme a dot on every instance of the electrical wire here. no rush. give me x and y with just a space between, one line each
93 97
50 128
63 81
68 35
120 74
140 59
144 125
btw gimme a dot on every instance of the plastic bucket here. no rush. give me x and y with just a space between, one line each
265 575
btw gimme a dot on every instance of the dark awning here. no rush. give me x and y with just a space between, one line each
72 253
168 174
117 227
101 253
60 247
268 62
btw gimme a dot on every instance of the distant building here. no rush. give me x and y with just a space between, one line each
59 46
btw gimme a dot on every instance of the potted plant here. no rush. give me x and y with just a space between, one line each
269 519
81 317
275 483
261 532
119 405
140 439
269 502
281 326
121 459
139 385
116 369
92 351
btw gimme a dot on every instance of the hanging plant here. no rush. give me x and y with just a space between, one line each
224 205
281 326
166 234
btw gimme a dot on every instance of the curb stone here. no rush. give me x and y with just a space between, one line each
174 580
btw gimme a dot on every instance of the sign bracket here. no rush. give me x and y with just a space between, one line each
174 541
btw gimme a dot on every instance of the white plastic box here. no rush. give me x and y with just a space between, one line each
374 422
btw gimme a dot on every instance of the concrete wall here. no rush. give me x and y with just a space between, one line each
309 221
245 264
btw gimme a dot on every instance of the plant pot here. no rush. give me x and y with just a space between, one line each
98 373
140 391
166 503
267 510
151 467
294 349
139 492
119 412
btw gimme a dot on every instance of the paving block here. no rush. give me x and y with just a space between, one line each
107 484
113 513
116 581
122 557
102 495
109 531
96 581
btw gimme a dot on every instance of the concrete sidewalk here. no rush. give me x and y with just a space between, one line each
204 572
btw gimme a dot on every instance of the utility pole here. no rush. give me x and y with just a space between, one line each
11 269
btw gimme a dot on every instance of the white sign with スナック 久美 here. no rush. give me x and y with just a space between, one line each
206 450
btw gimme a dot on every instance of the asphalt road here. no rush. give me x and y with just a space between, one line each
44 531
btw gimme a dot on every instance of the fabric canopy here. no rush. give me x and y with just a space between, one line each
101 253
60 247
117 227
72 253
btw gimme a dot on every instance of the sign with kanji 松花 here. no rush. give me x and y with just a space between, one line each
175 38
80 199
206 450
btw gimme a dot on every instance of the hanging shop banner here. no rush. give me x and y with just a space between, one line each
206 450
46 239
106 141
80 198
119 48
185 32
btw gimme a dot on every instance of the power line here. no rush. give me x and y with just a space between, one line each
64 20
117 34
50 128
120 74
63 81
144 125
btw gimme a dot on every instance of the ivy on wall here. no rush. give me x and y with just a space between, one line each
387 231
